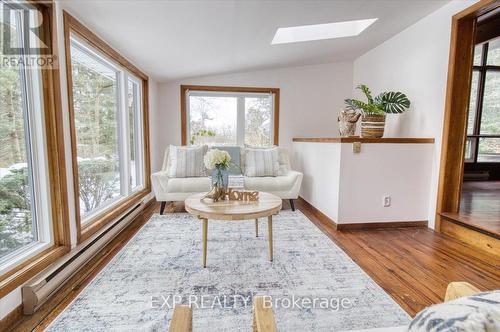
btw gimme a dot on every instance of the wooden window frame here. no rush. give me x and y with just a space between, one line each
73 26
185 88
54 134
462 42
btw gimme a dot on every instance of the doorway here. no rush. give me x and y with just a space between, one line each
480 194
469 186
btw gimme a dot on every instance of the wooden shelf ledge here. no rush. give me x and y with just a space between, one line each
396 140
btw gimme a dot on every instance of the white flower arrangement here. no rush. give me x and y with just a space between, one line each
215 157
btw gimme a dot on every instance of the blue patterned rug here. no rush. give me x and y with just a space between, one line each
313 285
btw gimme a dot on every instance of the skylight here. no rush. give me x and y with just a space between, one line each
321 31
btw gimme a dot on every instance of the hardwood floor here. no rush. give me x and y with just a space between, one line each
480 207
413 265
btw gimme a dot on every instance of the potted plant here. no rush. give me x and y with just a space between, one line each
374 111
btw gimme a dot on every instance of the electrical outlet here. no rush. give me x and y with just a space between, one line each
356 147
387 201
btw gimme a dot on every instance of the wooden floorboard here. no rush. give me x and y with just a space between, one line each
413 265
479 207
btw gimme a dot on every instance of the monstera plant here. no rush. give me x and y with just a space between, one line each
375 109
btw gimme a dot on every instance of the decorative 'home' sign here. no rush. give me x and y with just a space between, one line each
217 194
235 195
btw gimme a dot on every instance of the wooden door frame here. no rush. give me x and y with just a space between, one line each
463 28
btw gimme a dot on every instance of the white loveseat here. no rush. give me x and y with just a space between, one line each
285 186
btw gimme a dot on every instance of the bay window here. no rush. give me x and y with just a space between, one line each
229 115
109 131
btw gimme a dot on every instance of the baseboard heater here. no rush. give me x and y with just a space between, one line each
38 289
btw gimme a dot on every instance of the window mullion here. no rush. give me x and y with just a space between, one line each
26 106
139 152
123 139
187 98
240 121
271 129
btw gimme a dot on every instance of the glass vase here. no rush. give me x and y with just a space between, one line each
220 177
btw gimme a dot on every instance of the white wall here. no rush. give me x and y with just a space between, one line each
415 61
320 164
310 98
154 130
401 171
349 187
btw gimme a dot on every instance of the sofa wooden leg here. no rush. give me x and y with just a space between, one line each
292 205
162 208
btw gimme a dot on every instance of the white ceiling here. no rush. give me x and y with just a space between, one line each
171 40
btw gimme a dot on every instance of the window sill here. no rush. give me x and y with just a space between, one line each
24 254
111 213
29 268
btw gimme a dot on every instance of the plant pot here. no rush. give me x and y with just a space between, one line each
372 126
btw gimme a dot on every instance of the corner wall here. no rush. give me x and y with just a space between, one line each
415 61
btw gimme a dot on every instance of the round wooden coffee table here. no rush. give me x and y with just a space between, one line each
266 206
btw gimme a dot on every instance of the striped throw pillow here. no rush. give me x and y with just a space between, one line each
186 161
261 162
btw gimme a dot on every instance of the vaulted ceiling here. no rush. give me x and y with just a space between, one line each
171 40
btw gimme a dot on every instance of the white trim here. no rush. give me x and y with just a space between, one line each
240 121
123 134
22 254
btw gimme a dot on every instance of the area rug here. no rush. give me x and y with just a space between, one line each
311 284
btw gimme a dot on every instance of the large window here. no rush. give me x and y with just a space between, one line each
483 129
24 222
226 116
108 129
31 230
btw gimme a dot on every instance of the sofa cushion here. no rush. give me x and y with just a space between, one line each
261 162
186 185
272 183
283 158
186 161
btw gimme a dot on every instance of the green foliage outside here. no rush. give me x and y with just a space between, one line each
258 121
98 180
201 133
15 211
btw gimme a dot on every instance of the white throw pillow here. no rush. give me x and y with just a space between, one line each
186 161
475 313
283 158
261 162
